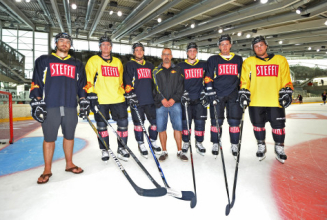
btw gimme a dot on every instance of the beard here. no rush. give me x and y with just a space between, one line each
63 49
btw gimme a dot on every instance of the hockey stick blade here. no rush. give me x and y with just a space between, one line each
182 195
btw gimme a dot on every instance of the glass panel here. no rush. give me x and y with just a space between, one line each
94 45
25 33
41 35
25 47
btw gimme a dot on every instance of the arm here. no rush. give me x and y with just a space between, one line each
90 74
180 89
128 78
209 74
286 75
81 82
245 76
38 80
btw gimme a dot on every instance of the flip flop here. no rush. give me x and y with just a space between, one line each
73 168
43 177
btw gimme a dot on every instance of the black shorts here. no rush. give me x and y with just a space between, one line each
260 115
148 110
54 119
233 108
195 111
118 111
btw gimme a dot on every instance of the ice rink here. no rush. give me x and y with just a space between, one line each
265 190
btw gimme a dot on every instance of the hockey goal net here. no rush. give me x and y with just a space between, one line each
6 118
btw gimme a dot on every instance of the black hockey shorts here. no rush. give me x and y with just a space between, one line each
148 110
195 111
233 108
260 115
118 111
66 117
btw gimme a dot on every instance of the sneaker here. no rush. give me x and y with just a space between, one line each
234 149
199 148
143 150
105 155
185 147
181 155
163 156
122 154
155 147
279 152
215 149
261 153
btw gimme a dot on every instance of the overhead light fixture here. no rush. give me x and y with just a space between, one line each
248 35
111 12
193 25
280 42
18 0
159 20
309 48
119 13
74 6
11 25
318 50
27 1
325 22
239 34
299 10
220 30
263 1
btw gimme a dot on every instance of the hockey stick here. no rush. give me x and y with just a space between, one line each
228 207
142 192
183 195
194 200
221 151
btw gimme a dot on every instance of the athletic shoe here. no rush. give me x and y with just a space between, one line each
181 155
163 156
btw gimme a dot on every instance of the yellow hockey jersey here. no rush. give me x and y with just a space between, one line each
264 78
105 78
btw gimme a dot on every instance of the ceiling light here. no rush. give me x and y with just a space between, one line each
318 50
27 1
309 48
299 10
263 1
18 0
280 42
74 6
159 20
12 25
193 25
248 35
119 13
325 22
220 30
239 34
111 12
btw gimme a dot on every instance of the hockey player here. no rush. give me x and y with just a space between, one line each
266 82
106 91
323 96
193 72
138 90
57 80
222 80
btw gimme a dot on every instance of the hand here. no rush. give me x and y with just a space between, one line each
244 98
185 98
171 102
285 97
93 98
131 99
204 100
39 110
165 103
211 95
84 108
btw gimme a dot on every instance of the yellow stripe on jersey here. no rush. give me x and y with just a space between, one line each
109 83
264 79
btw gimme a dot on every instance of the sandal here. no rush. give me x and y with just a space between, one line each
74 168
43 176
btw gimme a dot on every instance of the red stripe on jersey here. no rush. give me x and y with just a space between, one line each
104 134
62 69
199 133
214 129
278 131
227 69
138 128
185 132
234 129
153 127
122 133
193 73
111 71
144 73
267 70
258 129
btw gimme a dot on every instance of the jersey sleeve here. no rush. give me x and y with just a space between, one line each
128 77
286 75
245 75
81 81
209 73
90 71
180 90
121 73
38 79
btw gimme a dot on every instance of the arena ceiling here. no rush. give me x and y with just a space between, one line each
295 35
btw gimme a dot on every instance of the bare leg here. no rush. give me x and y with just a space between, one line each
178 139
68 150
48 150
163 139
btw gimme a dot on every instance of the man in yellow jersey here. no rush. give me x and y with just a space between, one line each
267 88
106 91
